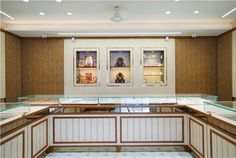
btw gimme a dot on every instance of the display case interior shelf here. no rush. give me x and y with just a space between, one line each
86 67
154 66
119 67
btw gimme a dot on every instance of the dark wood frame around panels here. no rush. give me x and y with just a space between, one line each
85 142
14 136
220 135
32 140
182 141
198 152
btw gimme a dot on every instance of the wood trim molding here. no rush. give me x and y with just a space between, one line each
198 152
14 136
7 32
85 142
229 31
32 140
220 135
182 141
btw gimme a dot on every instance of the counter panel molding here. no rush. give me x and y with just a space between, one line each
39 137
84 130
221 146
152 129
13 147
196 136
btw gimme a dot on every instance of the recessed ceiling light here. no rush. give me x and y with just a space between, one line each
168 12
196 12
59 1
1 12
176 0
25 0
41 13
69 13
231 11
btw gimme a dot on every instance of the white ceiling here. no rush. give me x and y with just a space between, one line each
140 17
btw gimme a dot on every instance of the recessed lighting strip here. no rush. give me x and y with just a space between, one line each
231 11
7 15
106 33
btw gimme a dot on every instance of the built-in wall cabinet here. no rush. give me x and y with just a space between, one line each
117 131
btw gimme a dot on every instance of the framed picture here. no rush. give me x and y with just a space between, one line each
119 66
154 66
86 72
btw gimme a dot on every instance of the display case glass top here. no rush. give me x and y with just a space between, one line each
154 66
86 66
120 66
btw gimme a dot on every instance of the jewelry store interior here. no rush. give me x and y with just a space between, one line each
118 79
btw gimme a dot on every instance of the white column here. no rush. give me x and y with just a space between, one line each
2 66
234 63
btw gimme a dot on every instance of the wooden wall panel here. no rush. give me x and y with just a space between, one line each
13 67
196 66
42 66
225 66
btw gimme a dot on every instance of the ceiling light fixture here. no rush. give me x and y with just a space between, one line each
116 17
231 11
176 0
196 12
69 13
1 12
25 0
41 13
59 1
73 39
167 38
109 33
168 12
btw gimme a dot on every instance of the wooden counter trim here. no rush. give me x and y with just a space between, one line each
23 141
23 117
198 152
85 142
20 127
32 141
182 141
214 126
116 113
114 106
223 137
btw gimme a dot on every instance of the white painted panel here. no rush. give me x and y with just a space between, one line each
214 146
161 129
219 147
148 129
63 130
8 149
124 129
94 126
100 130
130 130
69 130
106 129
112 129
20 146
167 129
103 44
2 150
225 148
57 130
179 129
75 129
82 130
142 128
155 129
136 129
173 130
88 129
14 145
231 150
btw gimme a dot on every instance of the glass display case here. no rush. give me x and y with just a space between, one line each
154 66
120 66
11 111
86 67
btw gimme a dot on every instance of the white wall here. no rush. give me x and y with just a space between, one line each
2 66
234 63
103 89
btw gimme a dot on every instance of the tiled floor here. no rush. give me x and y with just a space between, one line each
120 155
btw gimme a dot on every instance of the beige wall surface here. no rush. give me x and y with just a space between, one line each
137 88
2 67
234 64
